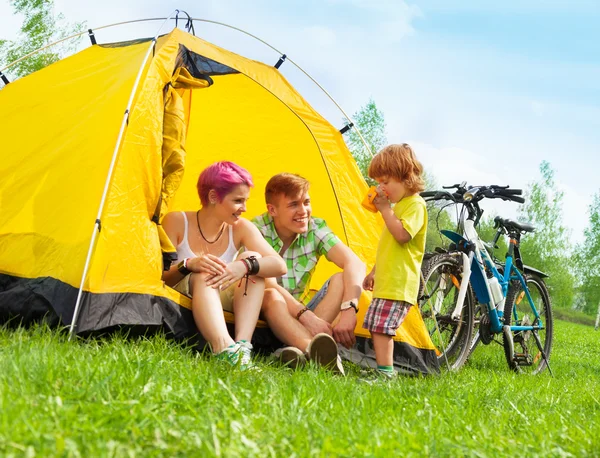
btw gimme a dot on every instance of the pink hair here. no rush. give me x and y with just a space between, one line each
222 177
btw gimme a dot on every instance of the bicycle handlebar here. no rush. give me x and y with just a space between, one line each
474 193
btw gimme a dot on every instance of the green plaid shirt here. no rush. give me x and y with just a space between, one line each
302 255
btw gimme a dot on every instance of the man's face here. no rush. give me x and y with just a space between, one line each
291 214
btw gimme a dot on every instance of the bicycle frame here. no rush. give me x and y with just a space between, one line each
476 260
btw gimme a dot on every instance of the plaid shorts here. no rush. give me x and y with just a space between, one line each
385 316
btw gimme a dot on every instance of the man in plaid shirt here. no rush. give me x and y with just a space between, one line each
302 322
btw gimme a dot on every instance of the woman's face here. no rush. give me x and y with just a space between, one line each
233 205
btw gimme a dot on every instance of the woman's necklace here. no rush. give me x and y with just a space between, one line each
200 229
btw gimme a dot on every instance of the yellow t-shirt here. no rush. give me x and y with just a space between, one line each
398 265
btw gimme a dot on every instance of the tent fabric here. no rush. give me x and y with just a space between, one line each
59 128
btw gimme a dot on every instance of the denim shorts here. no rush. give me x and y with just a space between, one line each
318 297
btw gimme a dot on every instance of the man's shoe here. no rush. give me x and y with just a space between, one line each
291 357
323 351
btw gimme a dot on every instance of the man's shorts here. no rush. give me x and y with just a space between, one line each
385 316
318 297
184 287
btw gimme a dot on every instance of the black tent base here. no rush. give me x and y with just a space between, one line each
47 300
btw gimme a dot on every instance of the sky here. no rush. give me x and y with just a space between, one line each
483 91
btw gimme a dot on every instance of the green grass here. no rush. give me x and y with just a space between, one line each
150 397
573 316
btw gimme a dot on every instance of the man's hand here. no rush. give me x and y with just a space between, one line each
343 331
314 324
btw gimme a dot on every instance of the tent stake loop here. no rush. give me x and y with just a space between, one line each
346 128
92 37
280 61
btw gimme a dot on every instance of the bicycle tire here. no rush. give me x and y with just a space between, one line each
527 358
454 337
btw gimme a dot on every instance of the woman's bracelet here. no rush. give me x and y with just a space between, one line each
305 309
254 265
183 268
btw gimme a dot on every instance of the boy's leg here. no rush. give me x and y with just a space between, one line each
383 345
383 319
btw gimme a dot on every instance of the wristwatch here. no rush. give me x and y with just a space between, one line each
349 304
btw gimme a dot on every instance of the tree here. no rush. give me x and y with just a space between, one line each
588 260
548 248
40 27
371 123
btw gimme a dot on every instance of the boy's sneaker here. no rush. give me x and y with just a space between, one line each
291 357
376 376
323 351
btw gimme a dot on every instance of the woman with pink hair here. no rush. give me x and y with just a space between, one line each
208 267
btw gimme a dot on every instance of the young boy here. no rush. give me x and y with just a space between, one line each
395 283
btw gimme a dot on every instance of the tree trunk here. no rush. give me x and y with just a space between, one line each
597 318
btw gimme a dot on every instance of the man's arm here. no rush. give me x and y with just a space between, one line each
308 319
354 270
353 275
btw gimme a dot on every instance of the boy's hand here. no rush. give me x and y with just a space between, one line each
381 202
369 281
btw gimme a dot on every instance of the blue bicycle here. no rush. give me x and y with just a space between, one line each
513 298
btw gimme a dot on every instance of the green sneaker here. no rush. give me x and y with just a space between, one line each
245 352
230 355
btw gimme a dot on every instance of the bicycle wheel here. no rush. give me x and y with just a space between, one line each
438 295
527 357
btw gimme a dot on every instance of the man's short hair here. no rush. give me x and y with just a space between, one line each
288 184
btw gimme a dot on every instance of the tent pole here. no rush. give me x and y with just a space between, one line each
97 224
210 22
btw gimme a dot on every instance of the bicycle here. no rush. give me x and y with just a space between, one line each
466 274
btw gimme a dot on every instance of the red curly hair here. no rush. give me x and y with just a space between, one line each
399 162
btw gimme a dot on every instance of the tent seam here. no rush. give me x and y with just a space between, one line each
318 147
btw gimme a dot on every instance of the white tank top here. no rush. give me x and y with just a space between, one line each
184 250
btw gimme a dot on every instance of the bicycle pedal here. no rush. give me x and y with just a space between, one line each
521 359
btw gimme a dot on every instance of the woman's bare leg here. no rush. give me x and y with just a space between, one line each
246 308
208 314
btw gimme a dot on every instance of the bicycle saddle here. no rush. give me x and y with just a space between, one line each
510 224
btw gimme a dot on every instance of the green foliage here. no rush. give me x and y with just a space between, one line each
438 217
371 123
588 260
149 397
41 26
548 248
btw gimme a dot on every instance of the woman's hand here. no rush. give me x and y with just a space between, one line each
208 264
369 281
232 273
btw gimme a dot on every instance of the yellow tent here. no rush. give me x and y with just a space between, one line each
59 128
